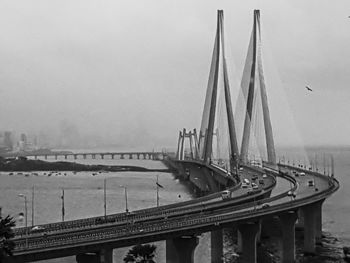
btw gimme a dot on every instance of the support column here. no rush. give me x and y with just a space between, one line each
318 221
288 236
300 223
249 233
103 256
216 239
309 229
239 242
181 249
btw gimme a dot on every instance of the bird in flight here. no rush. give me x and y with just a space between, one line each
308 88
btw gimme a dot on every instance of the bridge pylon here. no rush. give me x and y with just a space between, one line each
253 85
217 118
193 147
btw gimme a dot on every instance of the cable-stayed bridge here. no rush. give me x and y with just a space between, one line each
236 189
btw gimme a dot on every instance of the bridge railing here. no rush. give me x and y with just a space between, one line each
173 224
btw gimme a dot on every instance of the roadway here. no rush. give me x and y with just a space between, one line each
191 220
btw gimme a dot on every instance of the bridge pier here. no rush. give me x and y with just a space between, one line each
288 236
181 249
75 156
84 156
249 232
216 240
102 256
318 220
309 229
112 156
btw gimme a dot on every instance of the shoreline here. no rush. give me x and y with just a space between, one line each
25 165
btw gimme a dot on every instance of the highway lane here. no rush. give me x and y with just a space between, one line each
169 225
195 205
198 209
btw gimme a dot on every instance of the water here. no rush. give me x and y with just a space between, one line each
84 198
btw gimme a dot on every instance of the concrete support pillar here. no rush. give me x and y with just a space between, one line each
181 249
106 256
309 229
318 220
239 242
300 223
216 239
249 233
103 256
288 236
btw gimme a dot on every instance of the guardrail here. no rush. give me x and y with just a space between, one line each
189 207
172 225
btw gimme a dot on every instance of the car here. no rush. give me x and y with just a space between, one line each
311 183
291 194
254 178
244 185
225 194
264 176
241 168
302 173
265 206
245 180
255 187
261 181
36 229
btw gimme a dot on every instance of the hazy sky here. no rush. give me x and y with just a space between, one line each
132 71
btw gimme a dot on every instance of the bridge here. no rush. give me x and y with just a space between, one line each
93 155
236 191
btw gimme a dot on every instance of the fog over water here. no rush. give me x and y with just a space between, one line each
132 73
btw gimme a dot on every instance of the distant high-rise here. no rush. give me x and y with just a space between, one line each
24 138
8 142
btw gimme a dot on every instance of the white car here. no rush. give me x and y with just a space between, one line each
37 229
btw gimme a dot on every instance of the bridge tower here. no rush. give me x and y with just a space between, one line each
193 140
218 93
253 85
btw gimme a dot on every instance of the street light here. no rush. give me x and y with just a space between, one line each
26 216
126 197
105 196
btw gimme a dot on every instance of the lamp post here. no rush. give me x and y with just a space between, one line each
126 197
157 184
33 206
105 196
26 216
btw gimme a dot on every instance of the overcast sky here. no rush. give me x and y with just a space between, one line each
133 71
